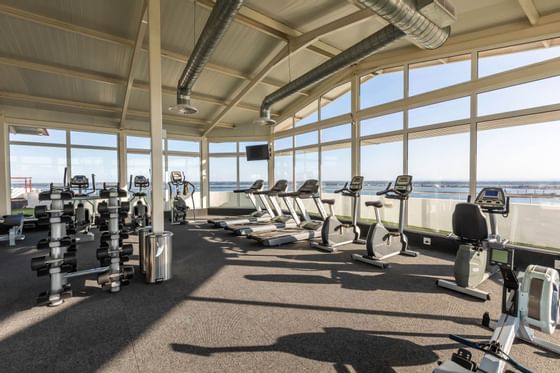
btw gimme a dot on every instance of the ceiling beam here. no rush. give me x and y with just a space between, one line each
530 11
295 45
142 26
86 106
111 79
113 39
268 25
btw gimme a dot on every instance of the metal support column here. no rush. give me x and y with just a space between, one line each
156 120
121 149
5 187
204 186
473 129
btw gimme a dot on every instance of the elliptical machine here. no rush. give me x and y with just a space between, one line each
140 209
472 266
82 218
530 301
183 190
334 233
380 242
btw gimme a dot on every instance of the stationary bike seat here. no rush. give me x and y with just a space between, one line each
328 201
377 204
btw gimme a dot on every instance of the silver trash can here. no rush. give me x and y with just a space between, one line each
142 233
159 253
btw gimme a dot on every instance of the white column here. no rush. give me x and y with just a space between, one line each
204 186
473 130
121 149
355 89
271 166
5 187
156 120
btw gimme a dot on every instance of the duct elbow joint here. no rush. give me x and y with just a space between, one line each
265 119
184 105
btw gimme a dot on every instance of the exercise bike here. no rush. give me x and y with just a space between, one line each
140 209
530 301
334 233
183 190
472 266
380 242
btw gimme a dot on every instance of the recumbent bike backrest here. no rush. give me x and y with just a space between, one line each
469 222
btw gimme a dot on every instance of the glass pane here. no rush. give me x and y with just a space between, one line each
432 75
308 114
222 147
441 112
385 123
440 169
336 102
183 146
138 165
136 142
284 143
531 178
522 96
251 171
43 135
93 139
33 168
382 87
102 163
498 60
283 168
307 166
336 133
308 138
223 181
189 165
336 170
380 163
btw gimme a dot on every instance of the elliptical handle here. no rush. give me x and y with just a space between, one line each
130 183
506 210
344 188
93 183
469 198
387 190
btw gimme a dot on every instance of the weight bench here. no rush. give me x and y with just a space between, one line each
11 228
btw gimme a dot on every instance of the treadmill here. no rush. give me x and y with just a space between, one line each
258 215
280 221
307 229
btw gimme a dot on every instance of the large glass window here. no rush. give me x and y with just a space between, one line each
522 96
384 123
283 143
308 138
249 171
39 135
307 115
381 163
441 112
337 102
499 60
527 167
336 133
432 75
138 164
336 170
284 167
222 147
223 180
307 165
183 146
381 87
102 163
438 161
189 165
93 139
138 142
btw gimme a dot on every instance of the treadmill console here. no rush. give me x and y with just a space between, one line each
257 185
403 185
141 181
79 181
280 186
492 200
309 186
356 184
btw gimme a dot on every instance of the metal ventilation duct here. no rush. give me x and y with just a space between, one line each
217 24
404 20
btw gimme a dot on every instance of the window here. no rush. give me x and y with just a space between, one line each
499 60
40 135
307 115
222 147
102 163
138 164
336 170
522 96
381 87
341 132
283 143
251 171
441 112
337 102
284 167
93 139
223 180
438 161
305 139
527 168
189 165
183 146
432 75
381 162
307 165
136 142
384 123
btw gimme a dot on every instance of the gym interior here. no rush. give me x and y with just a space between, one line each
273 186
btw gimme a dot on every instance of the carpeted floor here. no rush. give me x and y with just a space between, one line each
234 306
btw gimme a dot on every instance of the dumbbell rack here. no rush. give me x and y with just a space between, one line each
62 256
112 253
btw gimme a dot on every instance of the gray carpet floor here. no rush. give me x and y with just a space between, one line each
234 306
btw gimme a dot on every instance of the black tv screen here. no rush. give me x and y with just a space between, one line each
257 152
